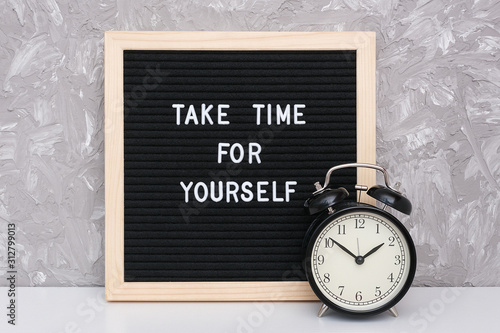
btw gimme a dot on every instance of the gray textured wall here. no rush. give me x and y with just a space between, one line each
438 128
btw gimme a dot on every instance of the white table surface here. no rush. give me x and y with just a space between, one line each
58 310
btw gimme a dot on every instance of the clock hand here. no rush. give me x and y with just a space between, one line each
345 249
373 250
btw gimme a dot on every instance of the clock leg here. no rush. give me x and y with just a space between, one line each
393 311
322 310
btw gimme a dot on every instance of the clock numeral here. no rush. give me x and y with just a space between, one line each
360 223
329 243
341 229
397 259
391 240
341 288
359 297
377 292
321 260
390 278
378 228
326 277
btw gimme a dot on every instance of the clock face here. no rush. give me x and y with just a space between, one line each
361 261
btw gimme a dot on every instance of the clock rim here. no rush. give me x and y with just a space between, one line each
349 210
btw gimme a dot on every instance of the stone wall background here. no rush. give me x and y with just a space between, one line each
438 127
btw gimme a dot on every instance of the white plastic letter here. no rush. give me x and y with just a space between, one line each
275 191
297 114
289 190
258 107
186 190
191 115
205 114
221 152
245 187
261 191
232 192
197 192
252 152
178 108
231 153
283 116
221 114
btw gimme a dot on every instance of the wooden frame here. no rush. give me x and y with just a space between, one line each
115 43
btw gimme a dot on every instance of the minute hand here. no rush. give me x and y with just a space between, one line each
373 250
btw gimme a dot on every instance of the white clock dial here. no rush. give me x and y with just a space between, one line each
360 261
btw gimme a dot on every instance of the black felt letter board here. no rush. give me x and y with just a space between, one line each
174 234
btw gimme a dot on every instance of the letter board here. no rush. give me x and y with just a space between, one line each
213 143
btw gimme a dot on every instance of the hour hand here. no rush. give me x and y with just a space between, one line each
345 249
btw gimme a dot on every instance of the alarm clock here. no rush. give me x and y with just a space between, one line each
359 258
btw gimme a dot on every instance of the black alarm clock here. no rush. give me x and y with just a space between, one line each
359 259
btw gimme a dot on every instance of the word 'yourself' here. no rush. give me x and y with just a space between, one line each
231 191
